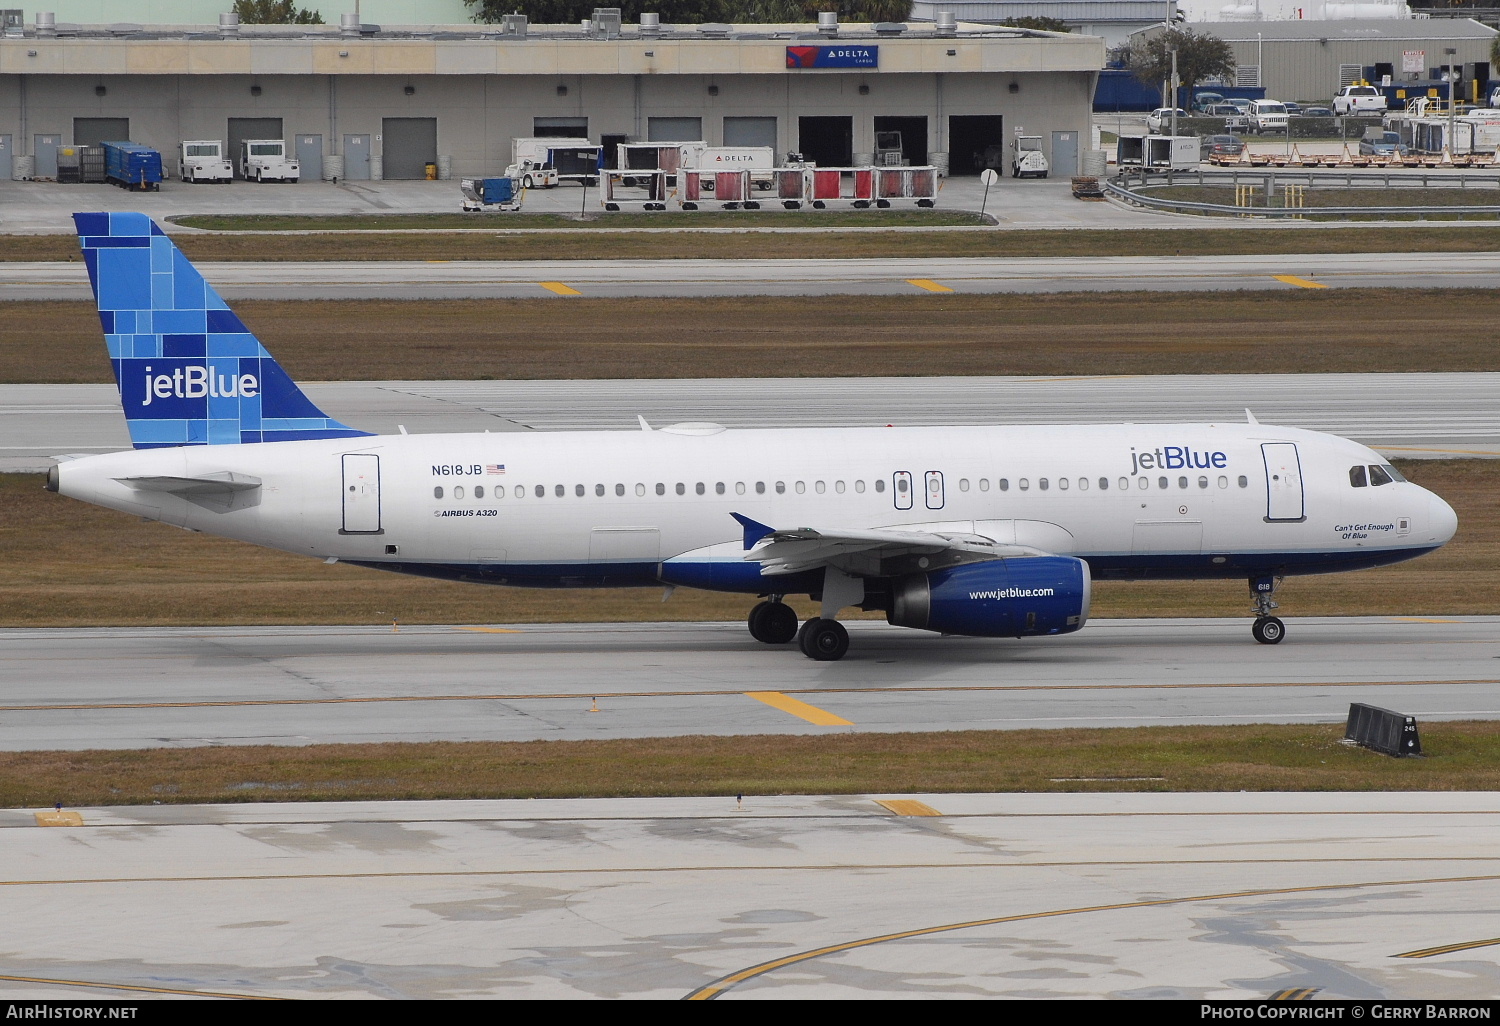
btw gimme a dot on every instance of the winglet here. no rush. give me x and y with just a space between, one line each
1250 417
754 531
644 425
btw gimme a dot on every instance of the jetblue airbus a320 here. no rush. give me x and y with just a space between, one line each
984 531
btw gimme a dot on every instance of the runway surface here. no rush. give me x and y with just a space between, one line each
1189 896
1410 415
180 687
783 277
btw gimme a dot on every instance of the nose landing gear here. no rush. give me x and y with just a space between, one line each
1267 629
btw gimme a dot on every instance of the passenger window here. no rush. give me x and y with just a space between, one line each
699 488
801 487
437 493
598 489
984 484
760 488
1144 484
661 489
1003 484
838 486
1164 484
739 488
963 484
902 485
1378 477
719 488
1244 481
1083 484
479 491
1042 483
880 484
520 491
859 486
819 487
458 491
1182 482
1124 484
1223 481
578 490
640 489
1202 482
1357 477
541 491
1104 484
780 487
681 488
1062 483
1023 484
619 489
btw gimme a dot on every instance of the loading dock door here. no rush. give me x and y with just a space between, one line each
1283 482
361 494
310 157
674 129
410 144
826 141
241 129
972 140
93 131
357 158
750 132
913 136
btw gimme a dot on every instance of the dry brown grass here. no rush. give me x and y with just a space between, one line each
1092 333
1460 756
603 244
65 563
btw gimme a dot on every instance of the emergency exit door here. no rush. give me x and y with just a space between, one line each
1284 500
901 486
933 480
361 494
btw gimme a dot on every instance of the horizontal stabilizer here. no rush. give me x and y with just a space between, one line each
219 492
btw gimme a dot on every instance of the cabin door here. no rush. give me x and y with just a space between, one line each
1284 500
361 494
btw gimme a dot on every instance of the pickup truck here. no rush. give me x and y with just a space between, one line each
1359 99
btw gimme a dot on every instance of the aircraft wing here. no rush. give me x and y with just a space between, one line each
874 553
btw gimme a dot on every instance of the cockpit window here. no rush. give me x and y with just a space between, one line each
1392 472
1357 477
1378 476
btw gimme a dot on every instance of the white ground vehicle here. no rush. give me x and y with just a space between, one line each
1359 99
202 160
1027 158
533 176
574 160
1160 119
1267 116
758 160
263 160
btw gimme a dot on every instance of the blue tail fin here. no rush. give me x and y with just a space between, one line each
190 373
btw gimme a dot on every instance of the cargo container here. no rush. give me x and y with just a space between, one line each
490 194
760 161
131 166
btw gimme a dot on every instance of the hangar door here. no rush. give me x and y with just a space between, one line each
93 131
241 129
913 136
410 144
975 142
674 129
826 141
750 132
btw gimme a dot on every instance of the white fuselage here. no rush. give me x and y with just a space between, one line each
637 507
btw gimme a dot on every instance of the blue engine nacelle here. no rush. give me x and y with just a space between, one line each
1001 598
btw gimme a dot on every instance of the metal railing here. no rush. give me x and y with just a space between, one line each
1127 185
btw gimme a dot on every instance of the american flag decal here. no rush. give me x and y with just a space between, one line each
494 468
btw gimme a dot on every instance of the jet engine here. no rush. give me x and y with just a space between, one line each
1000 598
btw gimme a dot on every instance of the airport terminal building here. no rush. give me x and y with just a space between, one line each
384 101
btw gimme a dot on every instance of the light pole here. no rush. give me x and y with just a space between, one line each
1175 88
1452 77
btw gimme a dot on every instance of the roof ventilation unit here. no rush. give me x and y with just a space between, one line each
714 31
46 24
650 25
605 23
349 25
229 25
828 23
946 25
889 28
513 26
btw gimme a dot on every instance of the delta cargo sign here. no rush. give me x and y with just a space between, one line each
833 56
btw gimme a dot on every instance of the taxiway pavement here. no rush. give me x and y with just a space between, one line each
566 279
1191 896
1406 415
181 687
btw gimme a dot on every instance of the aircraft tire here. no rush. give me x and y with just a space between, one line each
778 623
1268 630
823 640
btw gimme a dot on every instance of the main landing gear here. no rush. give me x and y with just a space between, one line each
1267 629
775 623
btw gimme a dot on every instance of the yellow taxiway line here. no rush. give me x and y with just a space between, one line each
811 713
559 288
907 807
928 285
1447 948
1301 283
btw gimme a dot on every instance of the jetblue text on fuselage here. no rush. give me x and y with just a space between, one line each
1177 457
195 381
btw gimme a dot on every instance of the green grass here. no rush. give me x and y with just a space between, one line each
1459 757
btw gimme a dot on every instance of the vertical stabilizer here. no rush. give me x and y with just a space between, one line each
190 373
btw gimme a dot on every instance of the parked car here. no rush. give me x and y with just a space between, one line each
1161 118
1359 99
1239 103
1203 101
1267 116
1293 110
1234 121
1220 146
1317 112
1385 144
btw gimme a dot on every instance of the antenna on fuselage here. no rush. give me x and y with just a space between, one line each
1250 417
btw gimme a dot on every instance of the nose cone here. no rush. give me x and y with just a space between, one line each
1443 521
